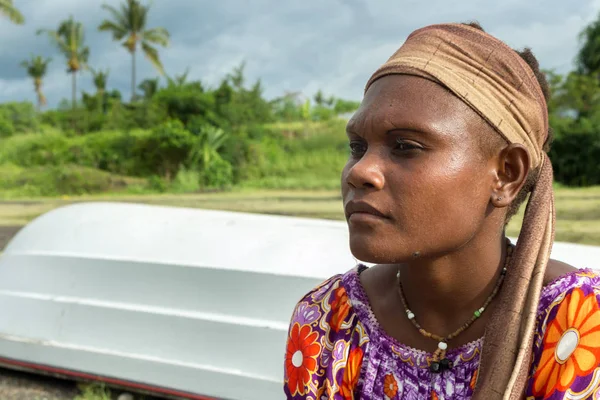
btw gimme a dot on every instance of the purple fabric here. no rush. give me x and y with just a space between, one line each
337 350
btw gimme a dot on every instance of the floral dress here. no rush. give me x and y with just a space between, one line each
336 350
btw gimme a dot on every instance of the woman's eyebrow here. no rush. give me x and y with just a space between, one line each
413 130
351 128
407 127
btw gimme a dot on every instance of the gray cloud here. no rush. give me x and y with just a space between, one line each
304 46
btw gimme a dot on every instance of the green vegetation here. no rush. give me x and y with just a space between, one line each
94 392
179 142
185 137
8 10
181 136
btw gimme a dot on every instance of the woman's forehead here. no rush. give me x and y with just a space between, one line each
412 102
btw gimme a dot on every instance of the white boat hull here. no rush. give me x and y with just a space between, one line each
174 301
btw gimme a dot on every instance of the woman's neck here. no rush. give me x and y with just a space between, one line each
445 291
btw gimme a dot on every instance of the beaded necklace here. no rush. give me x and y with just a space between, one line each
440 362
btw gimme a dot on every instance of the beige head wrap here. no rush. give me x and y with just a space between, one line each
499 85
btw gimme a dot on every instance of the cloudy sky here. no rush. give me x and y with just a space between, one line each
292 45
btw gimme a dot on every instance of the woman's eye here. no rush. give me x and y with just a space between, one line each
357 148
406 146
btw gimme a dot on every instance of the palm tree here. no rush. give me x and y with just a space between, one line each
69 38
129 24
100 78
36 68
8 9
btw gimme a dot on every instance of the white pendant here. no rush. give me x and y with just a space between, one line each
442 345
410 315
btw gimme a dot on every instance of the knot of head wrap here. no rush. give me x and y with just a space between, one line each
501 87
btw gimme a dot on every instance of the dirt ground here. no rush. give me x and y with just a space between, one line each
21 386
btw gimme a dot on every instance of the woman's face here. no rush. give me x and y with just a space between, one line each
417 161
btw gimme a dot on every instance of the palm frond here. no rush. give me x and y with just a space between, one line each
158 36
84 55
138 15
118 31
120 17
152 54
100 78
8 9
69 39
178 80
56 40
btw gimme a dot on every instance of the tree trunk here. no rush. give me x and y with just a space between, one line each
38 91
74 98
74 90
133 75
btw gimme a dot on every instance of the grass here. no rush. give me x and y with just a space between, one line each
578 210
577 216
16 182
93 392
312 204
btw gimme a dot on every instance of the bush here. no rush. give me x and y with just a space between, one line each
165 150
35 149
111 151
219 174
18 118
60 180
186 181
158 184
187 102
314 160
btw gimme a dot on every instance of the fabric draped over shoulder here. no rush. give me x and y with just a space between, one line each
501 87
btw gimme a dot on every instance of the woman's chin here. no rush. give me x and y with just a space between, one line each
370 250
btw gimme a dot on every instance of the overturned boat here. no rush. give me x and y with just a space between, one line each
177 302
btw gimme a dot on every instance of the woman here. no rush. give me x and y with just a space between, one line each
449 140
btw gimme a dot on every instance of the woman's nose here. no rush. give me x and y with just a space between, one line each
366 172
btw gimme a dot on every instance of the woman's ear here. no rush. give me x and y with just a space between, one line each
512 171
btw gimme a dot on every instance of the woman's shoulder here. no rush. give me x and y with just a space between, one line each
556 269
328 297
567 342
562 279
323 338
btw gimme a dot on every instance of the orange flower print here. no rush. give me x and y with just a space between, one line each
340 307
324 391
474 380
300 357
351 373
434 395
390 386
571 344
